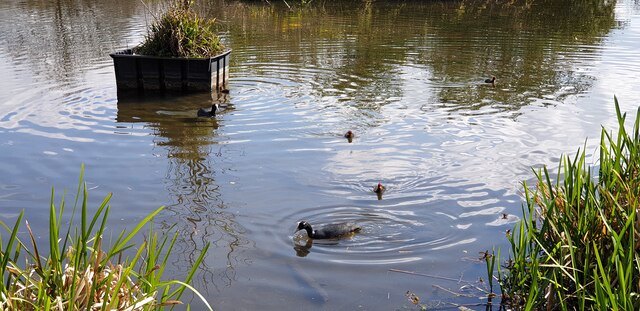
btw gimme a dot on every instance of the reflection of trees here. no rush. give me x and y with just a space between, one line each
198 210
534 47
63 37
323 40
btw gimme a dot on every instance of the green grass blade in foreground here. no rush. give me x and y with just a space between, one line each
196 264
6 253
88 270
195 291
121 243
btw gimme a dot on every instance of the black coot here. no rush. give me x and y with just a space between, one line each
329 231
208 114
492 80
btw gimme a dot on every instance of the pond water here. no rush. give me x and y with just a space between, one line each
406 77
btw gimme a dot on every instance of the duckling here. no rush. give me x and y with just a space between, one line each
349 135
492 80
329 231
209 114
379 188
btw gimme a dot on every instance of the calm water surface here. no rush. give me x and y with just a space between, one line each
404 76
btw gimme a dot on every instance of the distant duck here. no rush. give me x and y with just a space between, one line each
379 188
329 231
224 91
492 80
208 114
349 135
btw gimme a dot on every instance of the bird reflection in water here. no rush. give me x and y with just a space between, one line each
302 250
302 245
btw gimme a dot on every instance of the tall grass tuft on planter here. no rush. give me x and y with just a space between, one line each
180 32
578 245
78 274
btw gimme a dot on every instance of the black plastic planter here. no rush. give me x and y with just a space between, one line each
141 72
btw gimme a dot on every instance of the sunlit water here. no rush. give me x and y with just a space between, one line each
405 77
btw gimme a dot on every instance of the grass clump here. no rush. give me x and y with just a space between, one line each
79 275
578 245
180 32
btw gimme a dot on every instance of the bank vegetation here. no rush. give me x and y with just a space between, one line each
578 244
76 268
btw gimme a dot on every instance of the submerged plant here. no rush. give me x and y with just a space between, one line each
577 246
180 32
79 275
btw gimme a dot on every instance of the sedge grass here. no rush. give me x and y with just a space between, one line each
180 32
578 244
78 274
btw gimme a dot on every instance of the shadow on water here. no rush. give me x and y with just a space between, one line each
195 155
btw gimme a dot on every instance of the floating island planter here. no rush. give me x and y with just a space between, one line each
181 53
143 72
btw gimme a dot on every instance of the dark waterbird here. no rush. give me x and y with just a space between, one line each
492 80
348 134
208 114
379 189
329 231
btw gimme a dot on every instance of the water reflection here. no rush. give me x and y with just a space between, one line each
195 156
406 77
302 249
538 52
440 52
62 39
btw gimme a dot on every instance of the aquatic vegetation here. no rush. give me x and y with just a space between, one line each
180 32
78 274
578 245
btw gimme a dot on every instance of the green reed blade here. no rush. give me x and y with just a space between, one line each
5 255
122 241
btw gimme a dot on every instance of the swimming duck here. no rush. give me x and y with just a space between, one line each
379 188
492 80
329 231
349 135
209 114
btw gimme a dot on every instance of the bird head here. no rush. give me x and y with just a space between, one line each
303 225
